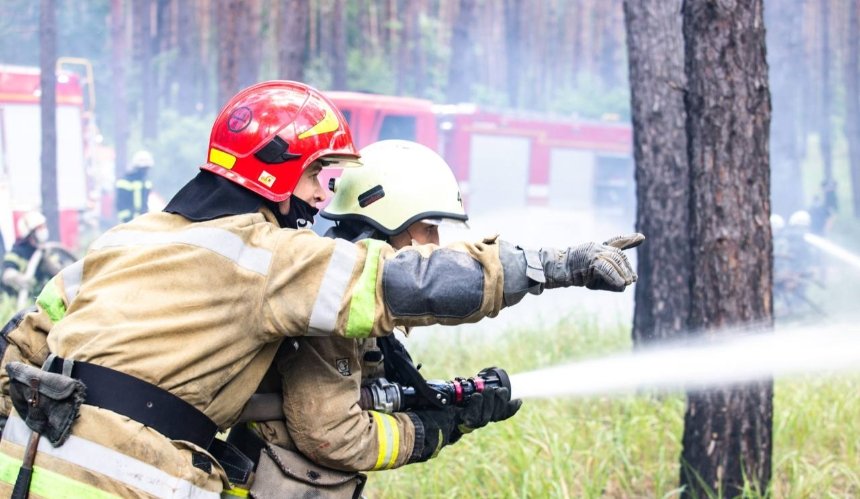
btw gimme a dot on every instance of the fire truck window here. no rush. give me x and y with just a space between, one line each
397 127
614 185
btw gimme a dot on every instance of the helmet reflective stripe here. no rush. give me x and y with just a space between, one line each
400 183
105 461
388 438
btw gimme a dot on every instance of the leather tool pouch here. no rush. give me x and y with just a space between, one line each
47 402
284 473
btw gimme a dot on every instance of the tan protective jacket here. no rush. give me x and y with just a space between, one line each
198 309
332 430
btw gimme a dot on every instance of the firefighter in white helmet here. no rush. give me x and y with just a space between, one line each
401 195
132 190
32 233
183 311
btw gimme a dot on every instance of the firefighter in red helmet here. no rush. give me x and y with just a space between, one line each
182 311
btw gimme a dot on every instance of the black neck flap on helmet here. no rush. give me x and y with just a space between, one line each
208 196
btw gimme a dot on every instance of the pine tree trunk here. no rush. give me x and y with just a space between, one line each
338 63
825 125
784 21
656 63
118 87
461 70
189 36
250 39
143 47
229 14
852 96
727 438
48 103
294 20
513 49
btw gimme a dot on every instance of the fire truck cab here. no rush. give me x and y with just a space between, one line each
20 150
506 160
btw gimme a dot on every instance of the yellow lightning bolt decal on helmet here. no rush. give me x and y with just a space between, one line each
329 123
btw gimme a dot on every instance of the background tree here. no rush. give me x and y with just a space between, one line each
292 36
48 103
784 20
461 71
728 437
852 97
656 61
118 86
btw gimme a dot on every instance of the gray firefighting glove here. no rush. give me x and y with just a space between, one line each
434 429
489 406
593 265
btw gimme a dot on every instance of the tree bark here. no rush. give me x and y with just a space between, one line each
727 438
292 39
852 96
48 103
825 125
143 54
189 36
462 69
338 63
656 64
250 41
229 14
118 87
784 21
513 49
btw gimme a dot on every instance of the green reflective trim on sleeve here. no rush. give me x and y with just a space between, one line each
48 483
52 302
16 260
362 307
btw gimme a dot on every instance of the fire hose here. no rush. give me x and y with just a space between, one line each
388 397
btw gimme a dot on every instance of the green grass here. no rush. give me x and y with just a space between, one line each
610 447
622 447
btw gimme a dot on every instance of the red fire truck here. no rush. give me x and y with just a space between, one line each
20 150
505 160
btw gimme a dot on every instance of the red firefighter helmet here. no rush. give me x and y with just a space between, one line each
270 132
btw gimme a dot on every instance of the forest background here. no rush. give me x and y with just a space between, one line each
164 67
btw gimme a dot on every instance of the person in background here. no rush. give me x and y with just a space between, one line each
132 190
402 195
32 233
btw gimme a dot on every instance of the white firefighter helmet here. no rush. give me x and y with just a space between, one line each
142 159
776 222
29 222
401 182
800 218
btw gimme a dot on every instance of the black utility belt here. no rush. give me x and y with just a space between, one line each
143 402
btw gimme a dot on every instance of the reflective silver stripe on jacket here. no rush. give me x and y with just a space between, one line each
110 463
220 241
72 276
333 288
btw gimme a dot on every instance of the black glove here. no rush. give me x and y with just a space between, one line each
434 429
491 405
